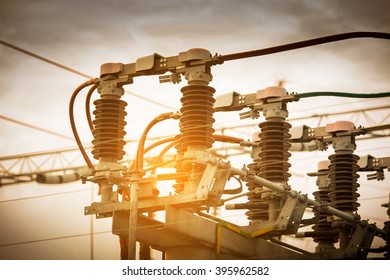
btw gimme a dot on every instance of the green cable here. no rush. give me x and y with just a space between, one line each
343 94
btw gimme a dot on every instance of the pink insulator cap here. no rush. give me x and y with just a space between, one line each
323 165
340 126
255 136
111 68
271 92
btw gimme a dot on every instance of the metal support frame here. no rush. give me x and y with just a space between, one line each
210 188
201 179
203 237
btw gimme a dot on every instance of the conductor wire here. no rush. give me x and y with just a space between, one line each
72 122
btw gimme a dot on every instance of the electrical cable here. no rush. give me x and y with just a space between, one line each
152 146
36 127
141 144
343 94
159 165
45 195
217 137
161 154
304 44
158 143
72 122
53 238
88 107
44 59
236 190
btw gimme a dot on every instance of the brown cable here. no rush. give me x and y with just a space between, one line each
72 122
88 106
141 144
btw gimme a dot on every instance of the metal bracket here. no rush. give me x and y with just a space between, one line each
235 102
287 222
291 215
174 78
206 181
208 191
216 191
331 131
360 240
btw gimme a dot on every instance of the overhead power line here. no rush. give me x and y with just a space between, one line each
53 238
59 65
36 127
44 196
343 94
44 59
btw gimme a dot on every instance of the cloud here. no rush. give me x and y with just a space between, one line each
47 23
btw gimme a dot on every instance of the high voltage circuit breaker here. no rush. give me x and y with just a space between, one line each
130 196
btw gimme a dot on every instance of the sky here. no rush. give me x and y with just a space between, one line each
85 34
